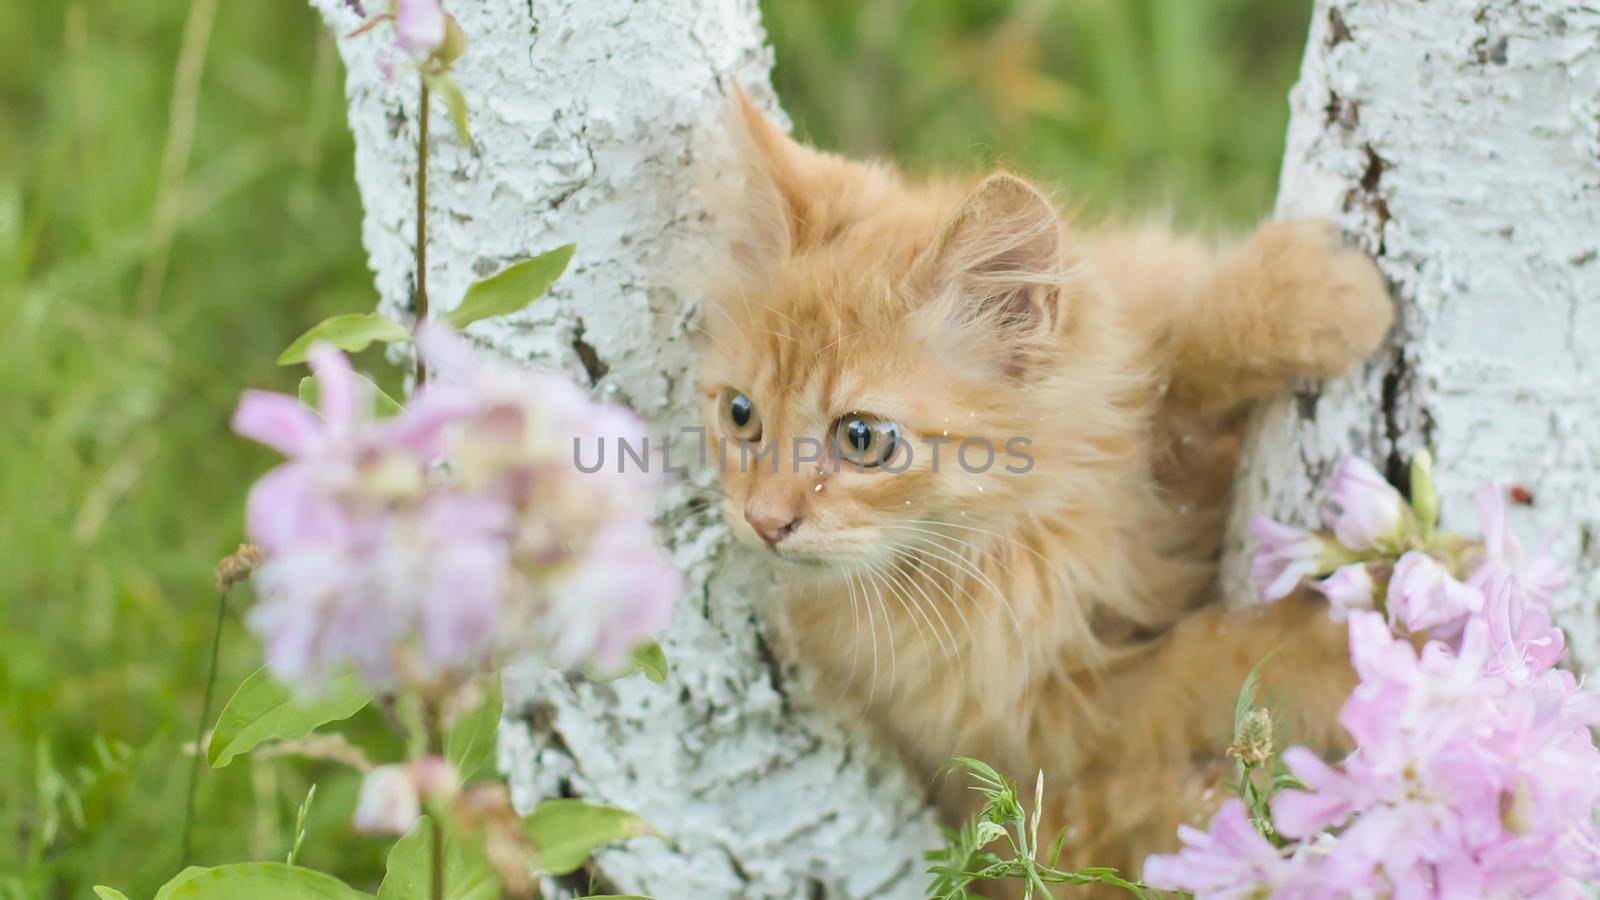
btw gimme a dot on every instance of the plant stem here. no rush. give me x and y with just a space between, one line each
437 889
200 728
422 224
433 722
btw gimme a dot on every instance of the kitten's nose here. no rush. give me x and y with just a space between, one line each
772 521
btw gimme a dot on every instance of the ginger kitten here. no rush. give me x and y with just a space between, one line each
1053 609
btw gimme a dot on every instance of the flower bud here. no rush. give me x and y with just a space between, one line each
1369 512
419 26
388 802
435 778
1252 740
1424 497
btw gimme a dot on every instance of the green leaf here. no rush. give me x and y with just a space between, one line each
510 289
467 876
566 831
264 710
109 893
455 101
382 404
256 881
652 661
649 659
351 332
470 743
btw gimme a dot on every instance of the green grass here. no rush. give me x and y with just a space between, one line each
121 486
1125 105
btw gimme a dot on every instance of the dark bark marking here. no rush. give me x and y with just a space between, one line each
593 365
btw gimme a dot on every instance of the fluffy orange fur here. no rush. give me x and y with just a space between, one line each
1063 618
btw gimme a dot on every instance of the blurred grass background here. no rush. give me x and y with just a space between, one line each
177 203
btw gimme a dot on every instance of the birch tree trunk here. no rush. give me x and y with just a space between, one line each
591 119
1459 142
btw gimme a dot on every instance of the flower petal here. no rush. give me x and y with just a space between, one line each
339 393
277 420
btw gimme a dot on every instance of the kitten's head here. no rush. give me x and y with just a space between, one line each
883 358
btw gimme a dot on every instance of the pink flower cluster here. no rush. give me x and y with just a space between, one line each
1475 773
455 534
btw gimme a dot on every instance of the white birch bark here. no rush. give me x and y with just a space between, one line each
1459 141
590 119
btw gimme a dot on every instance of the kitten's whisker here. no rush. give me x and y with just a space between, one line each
745 297
948 646
903 580
977 572
938 579
855 631
872 624
997 536
901 599
775 311
888 630
836 342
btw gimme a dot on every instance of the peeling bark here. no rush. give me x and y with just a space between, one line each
591 119
1459 142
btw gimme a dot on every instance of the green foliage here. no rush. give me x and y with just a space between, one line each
966 857
454 100
649 659
256 881
1127 105
1260 772
566 831
469 744
351 332
467 875
109 893
122 484
300 825
511 289
652 661
264 710
382 403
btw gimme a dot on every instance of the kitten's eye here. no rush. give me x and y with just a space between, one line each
866 441
739 417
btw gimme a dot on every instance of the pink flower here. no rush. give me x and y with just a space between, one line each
1536 578
1425 599
378 559
351 529
1462 784
611 600
419 26
1230 860
1475 772
594 582
1348 588
1368 512
1284 557
1517 591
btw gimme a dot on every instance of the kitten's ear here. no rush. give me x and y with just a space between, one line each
999 258
771 207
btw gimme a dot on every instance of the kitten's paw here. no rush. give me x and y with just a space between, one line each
1327 305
